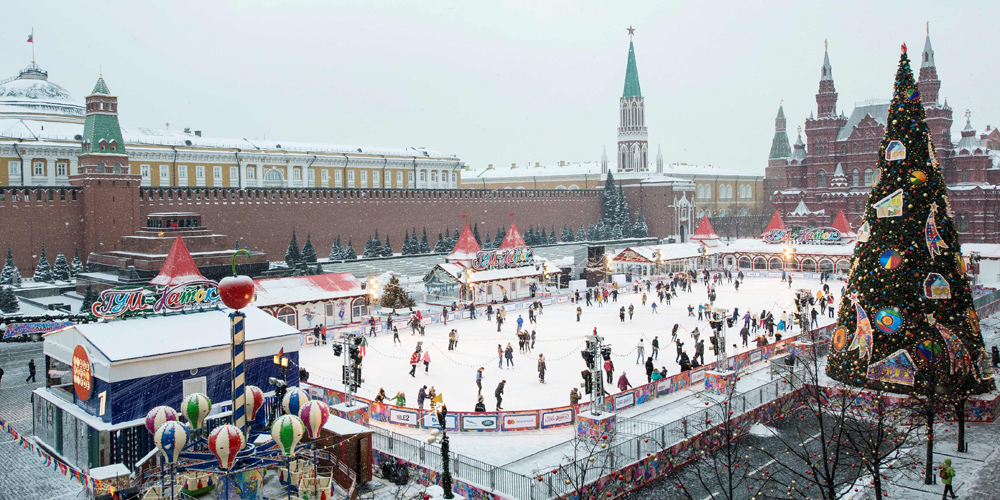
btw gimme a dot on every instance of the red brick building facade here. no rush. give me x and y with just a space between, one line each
810 181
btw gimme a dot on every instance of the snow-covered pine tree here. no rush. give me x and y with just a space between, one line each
441 246
475 233
487 244
89 297
581 234
552 235
591 233
529 236
8 301
9 270
394 296
60 269
336 250
405 249
454 241
43 271
76 267
308 251
603 233
617 232
640 230
293 254
610 209
425 246
349 253
501 234
566 235
387 248
623 214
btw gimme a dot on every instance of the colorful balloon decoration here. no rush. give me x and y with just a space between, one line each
225 442
196 407
293 400
314 414
170 438
255 400
287 432
889 320
158 416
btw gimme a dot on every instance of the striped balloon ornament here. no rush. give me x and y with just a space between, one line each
287 432
170 438
314 414
158 416
255 400
195 408
293 400
225 442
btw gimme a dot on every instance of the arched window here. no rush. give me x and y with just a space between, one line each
286 315
854 178
701 192
114 145
808 265
708 191
722 212
774 264
821 179
826 266
103 145
868 176
963 223
744 263
759 264
743 212
700 213
708 212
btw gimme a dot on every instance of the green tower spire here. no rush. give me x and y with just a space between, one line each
779 144
631 74
102 134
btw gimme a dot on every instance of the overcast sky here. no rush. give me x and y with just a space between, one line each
519 82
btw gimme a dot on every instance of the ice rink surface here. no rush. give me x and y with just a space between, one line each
560 339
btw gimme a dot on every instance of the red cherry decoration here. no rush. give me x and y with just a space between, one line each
236 292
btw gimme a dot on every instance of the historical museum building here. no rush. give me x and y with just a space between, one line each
808 182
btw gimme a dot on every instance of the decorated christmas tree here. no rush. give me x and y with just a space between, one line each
43 271
394 296
907 303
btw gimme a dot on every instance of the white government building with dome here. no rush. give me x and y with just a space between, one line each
41 127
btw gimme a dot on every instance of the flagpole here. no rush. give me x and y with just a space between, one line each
32 45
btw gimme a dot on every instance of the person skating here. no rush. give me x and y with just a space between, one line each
587 296
520 323
621 314
656 347
699 352
421 396
427 360
653 307
509 354
400 399
480 406
814 315
500 356
533 335
685 362
579 311
640 349
444 315
489 312
381 396
649 369
789 281
673 333
414 361
623 383
541 368
680 350
499 393
499 321
947 474
395 336
609 370
371 323
574 397
479 380
745 335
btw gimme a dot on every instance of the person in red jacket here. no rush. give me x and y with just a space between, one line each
414 361
623 383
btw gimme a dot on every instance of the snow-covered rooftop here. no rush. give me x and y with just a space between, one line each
577 169
298 289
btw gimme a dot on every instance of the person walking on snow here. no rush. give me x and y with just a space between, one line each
623 383
414 361
640 352
479 380
631 310
31 371
541 368
579 311
395 336
499 393
947 474
621 314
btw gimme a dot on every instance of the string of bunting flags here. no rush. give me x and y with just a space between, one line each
50 461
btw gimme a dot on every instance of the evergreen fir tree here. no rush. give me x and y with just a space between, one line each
308 252
581 234
43 271
76 267
475 234
387 248
907 323
89 297
552 235
602 230
498 239
592 233
616 232
441 246
623 216
610 210
425 246
336 250
566 235
349 253
529 236
9 270
293 255
406 243
639 230
8 301
488 244
60 269
394 297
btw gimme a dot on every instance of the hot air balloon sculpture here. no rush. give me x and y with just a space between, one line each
225 442
293 400
255 400
158 416
287 432
170 438
195 408
314 415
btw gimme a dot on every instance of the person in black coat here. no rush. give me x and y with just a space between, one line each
480 407
499 393
685 362
31 371
996 358
649 369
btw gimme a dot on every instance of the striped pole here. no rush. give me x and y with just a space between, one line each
238 329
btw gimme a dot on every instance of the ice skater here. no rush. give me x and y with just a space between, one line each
498 393
479 380
640 352
541 368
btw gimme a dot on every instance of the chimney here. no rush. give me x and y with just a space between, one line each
537 164
489 167
562 163
187 130
197 133
513 165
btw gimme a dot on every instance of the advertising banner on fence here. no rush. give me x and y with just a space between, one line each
555 418
624 400
19 329
663 387
430 421
697 376
519 421
403 417
480 422
755 356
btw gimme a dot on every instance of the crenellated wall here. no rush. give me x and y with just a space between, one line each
31 217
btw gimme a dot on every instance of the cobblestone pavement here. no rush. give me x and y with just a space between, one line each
22 476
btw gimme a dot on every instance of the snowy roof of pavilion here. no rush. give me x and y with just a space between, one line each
466 247
513 239
668 252
986 250
299 289
756 246
705 232
802 209
840 224
457 271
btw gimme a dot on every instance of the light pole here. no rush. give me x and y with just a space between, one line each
608 259
280 386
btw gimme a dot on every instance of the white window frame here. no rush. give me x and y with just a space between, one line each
350 178
144 171
193 385
376 179
324 177
38 168
338 178
14 172
423 176
434 176
63 166
399 179
454 179
234 176
311 177
364 178
199 175
252 173
182 172
409 179
296 174
217 176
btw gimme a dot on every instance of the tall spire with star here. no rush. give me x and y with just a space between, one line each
633 144
939 117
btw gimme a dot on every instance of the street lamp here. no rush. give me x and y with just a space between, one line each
280 386
608 258
441 412
372 291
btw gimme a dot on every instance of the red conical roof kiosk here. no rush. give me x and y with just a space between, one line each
840 224
178 268
466 247
705 231
513 238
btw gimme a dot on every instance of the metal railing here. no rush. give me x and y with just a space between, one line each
634 439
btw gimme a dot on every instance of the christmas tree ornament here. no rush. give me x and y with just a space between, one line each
896 151
839 337
936 287
890 259
864 232
897 368
863 333
957 353
935 243
890 206
889 320
928 352
876 176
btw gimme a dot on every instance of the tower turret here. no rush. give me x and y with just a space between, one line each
633 144
823 129
939 116
779 144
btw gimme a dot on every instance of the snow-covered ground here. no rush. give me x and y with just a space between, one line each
559 337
